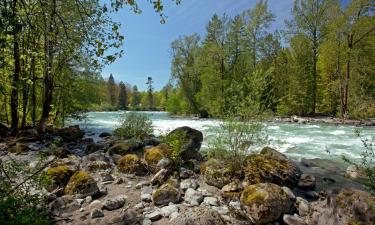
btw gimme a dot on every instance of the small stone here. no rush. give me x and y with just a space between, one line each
193 197
232 187
164 163
82 209
115 203
312 195
166 211
119 180
307 182
185 173
80 200
106 177
146 221
205 193
146 193
222 210
302 206
141 184
235 204
154 215
189 183
88 200
106 182
103 190
293 220
96 213
140 205
210 201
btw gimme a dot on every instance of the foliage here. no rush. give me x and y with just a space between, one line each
21 196
134 125
325 65
367 161
235 139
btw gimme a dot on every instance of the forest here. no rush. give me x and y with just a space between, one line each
52 53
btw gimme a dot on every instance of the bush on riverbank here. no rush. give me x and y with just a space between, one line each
134 125
21 201
235 140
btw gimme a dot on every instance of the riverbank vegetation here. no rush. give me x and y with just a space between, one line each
323 63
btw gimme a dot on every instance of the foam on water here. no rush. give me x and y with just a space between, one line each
297 140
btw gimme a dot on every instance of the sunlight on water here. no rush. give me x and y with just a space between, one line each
296 140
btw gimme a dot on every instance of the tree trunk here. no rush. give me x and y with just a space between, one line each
33 94
17 69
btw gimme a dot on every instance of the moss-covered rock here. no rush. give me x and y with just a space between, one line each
155 154
82 185
165 194
190 141
59 175
98 166
263 168
217 173
71 133
131 163
125 147
265 202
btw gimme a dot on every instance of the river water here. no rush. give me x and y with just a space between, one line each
295 140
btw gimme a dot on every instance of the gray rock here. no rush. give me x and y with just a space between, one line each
88 200
103 190
146 193
307 182
235 204
302 206
198 216
96 204
165 194
293 220
140 205
96 213
289 193
189 183
146 221
174 215
115 203
64 204
211 201
222 210
185 173
166 211
154 215
164 163
193 197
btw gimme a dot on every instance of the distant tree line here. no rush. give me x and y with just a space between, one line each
322 63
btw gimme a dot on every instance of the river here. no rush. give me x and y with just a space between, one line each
295 140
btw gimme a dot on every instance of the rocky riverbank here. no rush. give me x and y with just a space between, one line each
114 181
325 120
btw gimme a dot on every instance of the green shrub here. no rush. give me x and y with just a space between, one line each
134 125
21 202
367 161
234 140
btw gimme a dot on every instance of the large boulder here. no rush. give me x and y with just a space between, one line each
271 167
216 173
350 206
82 185
131 163
199 216
125 147
165 194
64 204
191 141
265 202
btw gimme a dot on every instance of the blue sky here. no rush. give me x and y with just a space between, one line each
147 42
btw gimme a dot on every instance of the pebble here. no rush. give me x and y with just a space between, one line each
96 204
154 215
146 221
166 211
185 184
96 213
115 203
174 215
146 193
289 193
235 204
222 210
211 201
293 220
